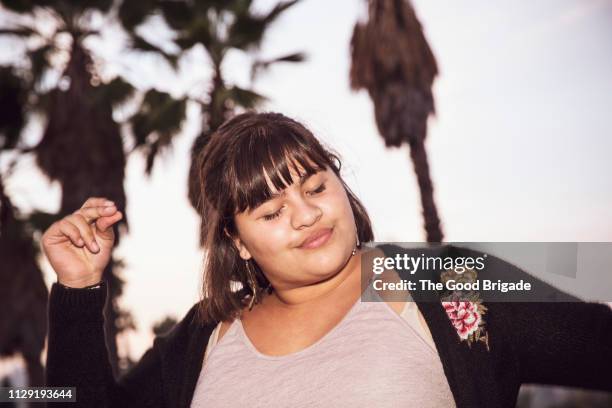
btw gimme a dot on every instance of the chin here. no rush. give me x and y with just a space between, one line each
325 262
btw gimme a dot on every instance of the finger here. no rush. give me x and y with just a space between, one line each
85 230
93 213
72 232
95 202
104 223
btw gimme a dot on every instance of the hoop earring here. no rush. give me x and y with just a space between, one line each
252 284
356 246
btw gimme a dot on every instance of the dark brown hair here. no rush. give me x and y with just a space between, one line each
231 170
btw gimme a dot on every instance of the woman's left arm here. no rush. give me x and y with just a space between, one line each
566 343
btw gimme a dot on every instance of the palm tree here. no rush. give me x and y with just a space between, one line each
218 26
23 293
392 60
81 146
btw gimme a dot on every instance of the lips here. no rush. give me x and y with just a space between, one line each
317 238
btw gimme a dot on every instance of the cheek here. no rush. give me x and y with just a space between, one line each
268 239
339 207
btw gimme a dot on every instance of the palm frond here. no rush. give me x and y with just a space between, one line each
81 6
260 65
244 97
133 13
239 6
157 122
247 30
139 43
115 92
21 32
178 14
197 32
19 6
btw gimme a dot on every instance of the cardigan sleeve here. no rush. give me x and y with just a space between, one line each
563 341
77 355
568 343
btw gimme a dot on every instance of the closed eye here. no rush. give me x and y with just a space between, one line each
318 190
269 217
276 214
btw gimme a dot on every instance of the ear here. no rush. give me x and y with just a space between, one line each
242 250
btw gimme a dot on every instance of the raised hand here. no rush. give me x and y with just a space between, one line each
80 245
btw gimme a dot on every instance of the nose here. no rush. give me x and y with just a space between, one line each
305 214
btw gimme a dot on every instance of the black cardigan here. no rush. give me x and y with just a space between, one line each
568 343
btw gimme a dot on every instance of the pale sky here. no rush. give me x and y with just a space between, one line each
519 149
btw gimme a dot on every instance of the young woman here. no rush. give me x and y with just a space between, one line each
281 322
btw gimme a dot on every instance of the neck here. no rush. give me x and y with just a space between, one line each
336 287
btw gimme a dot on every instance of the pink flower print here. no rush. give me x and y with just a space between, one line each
464 316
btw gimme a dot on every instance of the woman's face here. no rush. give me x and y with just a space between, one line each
303 235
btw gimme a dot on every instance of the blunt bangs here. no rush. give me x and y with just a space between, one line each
273 154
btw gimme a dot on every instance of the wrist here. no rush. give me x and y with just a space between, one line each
87 284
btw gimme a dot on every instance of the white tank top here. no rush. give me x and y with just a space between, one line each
372 358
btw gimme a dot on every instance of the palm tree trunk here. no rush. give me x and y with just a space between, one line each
82 148
213 116
418 154
23 293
